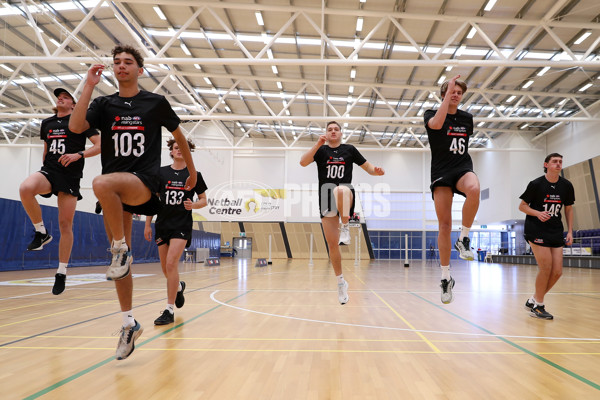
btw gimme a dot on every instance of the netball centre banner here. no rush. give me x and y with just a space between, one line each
254 203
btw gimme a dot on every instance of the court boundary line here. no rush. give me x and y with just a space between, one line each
112 358
521 348
212 297
106 315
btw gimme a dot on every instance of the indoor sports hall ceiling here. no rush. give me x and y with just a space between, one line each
279 69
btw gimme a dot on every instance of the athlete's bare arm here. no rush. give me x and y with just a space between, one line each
78 122
181 140
440 115
309 156
541 215
372 170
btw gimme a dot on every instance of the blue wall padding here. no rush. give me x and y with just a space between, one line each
207 240
90 246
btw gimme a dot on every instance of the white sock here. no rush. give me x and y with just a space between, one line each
445 272
340 279
62 268
128 319
171 308
39 227
464 232
538 304
180 288
532 299
117 244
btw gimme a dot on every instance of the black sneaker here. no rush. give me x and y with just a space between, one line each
165 318
180 300
59 283
464 249
447 286
528 305
39 240
540 312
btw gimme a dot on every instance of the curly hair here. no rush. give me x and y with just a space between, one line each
124 48
171 143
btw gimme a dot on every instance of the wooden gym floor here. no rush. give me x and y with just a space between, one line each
278 332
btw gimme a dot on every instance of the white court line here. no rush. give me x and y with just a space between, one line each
212 297
25 295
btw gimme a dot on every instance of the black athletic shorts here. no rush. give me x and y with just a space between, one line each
546 240
327 206
152 206
164 236
449 179
61 183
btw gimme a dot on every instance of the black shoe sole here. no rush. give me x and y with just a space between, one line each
159 323
534 315
59 284
180 301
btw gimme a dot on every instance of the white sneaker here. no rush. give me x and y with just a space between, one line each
127 339
464 249
447 286
345 234
121 261
343 292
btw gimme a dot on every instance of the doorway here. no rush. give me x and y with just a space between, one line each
242 247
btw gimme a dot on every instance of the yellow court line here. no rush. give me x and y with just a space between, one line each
74 309
357 340
213 350
312 340
569 354
408 324
429 343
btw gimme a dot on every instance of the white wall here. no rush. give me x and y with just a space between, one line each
576 141
506 175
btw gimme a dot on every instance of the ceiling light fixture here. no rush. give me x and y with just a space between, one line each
583 37
489 5
159 12
529 83
543 71
259 18
359 24
185 49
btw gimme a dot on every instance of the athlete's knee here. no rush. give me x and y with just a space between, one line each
556 273
472 190
445 227
26 190
172 266
99 183
65 225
